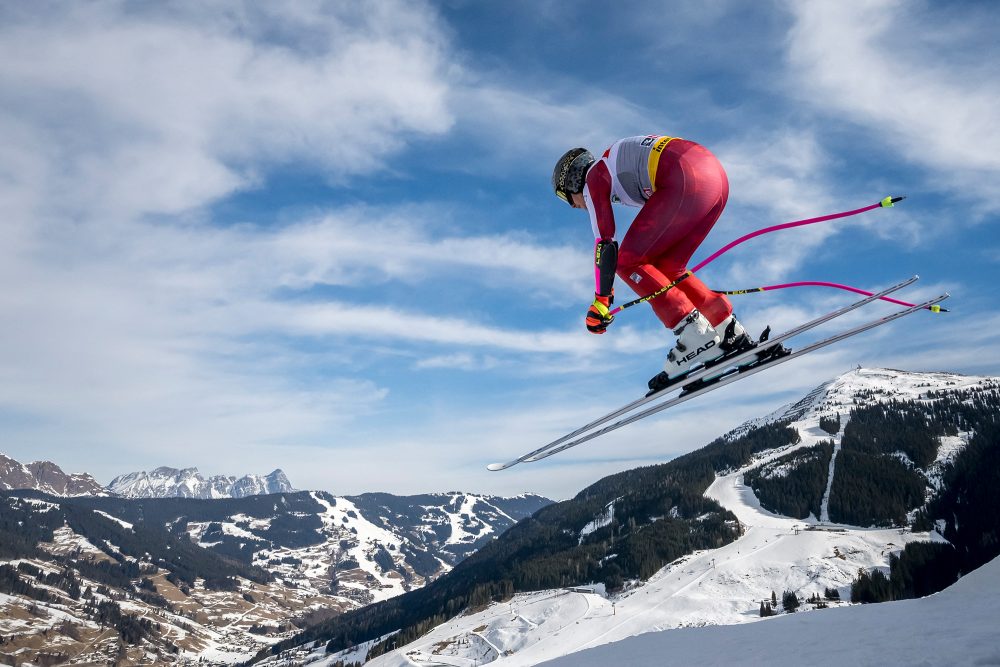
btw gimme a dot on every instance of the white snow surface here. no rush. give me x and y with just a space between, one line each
957 626
664 620
123 524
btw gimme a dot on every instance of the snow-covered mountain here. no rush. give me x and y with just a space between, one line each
865 386
46 477
356 550
223 578
164 482
813 557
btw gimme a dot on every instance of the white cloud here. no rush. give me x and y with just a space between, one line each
137 112
381 322
774 178
460 360
920 77
157 338
133 320
369 244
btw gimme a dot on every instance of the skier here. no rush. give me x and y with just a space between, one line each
681 189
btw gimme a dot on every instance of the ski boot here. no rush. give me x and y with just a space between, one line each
700 344
733 337
697 343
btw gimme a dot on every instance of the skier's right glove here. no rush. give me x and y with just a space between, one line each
599 314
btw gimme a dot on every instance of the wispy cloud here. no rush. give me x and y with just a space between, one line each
461 360
365 245
541 124
157 111
927 94
774 178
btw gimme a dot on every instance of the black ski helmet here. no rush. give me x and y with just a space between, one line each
570 172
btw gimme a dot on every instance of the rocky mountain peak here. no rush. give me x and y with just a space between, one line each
47 477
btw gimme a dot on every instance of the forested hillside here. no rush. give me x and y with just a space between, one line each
625 526
886 463
890 463
793 485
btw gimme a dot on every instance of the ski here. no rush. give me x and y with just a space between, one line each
739 373
701 373
726 378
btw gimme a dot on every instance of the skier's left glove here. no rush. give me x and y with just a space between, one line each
599 314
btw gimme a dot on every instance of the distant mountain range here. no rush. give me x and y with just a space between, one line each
163 482
228 575
167 482
46 477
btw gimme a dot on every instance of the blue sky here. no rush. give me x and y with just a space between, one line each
320 236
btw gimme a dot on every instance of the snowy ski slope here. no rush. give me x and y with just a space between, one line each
723 588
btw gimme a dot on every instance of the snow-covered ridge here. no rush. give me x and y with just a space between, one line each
165 482
867 385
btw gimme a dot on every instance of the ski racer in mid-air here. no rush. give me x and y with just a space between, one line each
681 189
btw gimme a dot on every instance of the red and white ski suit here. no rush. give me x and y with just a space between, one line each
681 188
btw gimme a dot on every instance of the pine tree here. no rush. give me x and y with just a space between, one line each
830 424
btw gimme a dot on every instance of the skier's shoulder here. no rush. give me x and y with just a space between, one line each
599 176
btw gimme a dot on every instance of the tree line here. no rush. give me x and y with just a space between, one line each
922 568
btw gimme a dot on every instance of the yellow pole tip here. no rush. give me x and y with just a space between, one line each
935 308
887 202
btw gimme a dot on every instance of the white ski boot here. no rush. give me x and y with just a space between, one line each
698 342
732 336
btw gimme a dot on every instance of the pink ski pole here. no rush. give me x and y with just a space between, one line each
888 202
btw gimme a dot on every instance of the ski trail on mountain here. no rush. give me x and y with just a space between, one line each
824 507
773 555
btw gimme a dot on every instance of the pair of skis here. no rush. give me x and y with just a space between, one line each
708 378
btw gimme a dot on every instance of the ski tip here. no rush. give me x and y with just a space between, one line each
493 467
